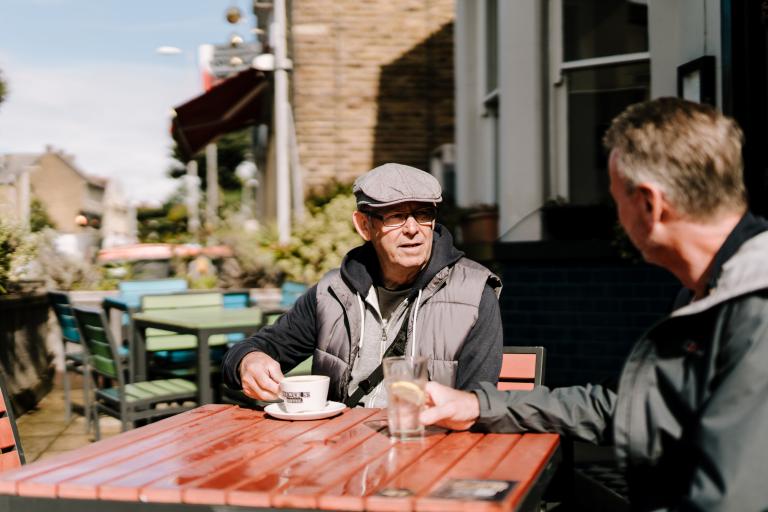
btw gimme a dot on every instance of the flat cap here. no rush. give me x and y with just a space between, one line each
390 184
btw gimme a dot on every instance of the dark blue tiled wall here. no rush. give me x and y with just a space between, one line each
587 315
581 301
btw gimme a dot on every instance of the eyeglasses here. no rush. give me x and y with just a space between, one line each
423 216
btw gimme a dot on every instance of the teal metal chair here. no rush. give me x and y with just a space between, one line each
74 357
11 454
113 396
290 293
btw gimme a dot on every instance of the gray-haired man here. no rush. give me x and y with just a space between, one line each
690 415
407 280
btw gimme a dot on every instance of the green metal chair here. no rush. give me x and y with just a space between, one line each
74 358
126 402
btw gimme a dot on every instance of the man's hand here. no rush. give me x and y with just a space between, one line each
450 408
261 376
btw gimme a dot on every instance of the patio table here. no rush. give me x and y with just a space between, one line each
200 322
222 457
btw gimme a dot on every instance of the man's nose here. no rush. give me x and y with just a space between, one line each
411 226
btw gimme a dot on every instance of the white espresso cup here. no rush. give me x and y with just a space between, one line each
304 393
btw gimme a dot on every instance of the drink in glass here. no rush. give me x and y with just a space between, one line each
404 378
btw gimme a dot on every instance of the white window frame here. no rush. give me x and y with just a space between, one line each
558 97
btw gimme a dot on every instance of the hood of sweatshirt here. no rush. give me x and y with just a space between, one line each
360 267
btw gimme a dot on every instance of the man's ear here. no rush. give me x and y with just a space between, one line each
362 225
653 204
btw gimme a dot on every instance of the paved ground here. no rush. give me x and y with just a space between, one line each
45 432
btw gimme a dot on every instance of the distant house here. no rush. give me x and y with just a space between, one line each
86 210
14 186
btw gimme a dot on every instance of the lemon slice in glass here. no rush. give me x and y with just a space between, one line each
407 391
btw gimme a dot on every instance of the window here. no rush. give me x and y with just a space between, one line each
602 65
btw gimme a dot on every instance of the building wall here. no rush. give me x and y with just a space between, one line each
61 189
532 151
372 82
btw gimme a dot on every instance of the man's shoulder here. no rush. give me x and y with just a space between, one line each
475 270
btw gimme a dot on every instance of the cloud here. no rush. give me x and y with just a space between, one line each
114 118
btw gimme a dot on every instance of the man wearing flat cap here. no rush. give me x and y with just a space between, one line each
406 291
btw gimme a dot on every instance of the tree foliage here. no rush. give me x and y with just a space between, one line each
231 150
3 88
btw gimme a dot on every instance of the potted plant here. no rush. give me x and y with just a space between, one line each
480 224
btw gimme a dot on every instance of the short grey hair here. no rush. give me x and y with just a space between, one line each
691 151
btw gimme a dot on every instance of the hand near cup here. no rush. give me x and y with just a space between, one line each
260 376
449 408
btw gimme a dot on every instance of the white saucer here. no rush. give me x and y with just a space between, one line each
330 409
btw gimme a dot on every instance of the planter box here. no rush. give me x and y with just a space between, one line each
26 359
480 227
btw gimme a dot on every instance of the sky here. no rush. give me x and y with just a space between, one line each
84 76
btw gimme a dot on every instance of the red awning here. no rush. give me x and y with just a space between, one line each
230 105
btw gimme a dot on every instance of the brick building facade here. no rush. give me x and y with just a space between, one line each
372 83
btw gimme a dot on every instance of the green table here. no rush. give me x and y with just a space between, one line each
201 322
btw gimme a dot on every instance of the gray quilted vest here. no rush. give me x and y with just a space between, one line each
447 310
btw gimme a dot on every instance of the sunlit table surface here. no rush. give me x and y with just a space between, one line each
222 457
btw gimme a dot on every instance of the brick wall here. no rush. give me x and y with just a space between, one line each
586 310
372 82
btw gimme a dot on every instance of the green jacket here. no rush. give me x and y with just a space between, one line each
690 419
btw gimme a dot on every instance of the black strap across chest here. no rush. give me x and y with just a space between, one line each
396 348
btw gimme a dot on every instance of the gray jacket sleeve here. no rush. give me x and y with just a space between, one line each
481 355
582 412
731 440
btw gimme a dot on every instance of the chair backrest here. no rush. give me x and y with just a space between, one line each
235 299
11 454
98 342
182 301
62 307
131 291
290 292
522 368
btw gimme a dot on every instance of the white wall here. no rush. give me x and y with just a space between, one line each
522 118
680 31
472 164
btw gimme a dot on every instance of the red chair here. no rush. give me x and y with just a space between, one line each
522 368
11 454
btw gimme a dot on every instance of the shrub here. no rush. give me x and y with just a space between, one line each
62 271
17 248
317 244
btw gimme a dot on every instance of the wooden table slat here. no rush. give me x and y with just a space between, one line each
303 493
211 488
350 493
525 461
221 456
128 487
12 480
260 486
478 464
178 453
170 488
48 483
421 475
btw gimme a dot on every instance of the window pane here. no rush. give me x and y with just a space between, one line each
598 28
595 97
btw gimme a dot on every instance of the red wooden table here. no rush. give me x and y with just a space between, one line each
222 455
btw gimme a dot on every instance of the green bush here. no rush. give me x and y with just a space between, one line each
317 244
16 250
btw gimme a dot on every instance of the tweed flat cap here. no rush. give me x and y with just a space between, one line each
390 184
